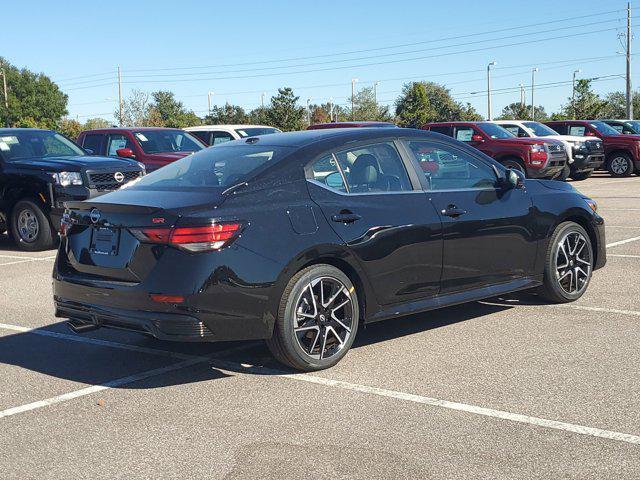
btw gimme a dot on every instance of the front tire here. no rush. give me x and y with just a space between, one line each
514 164
317 319
30 227
568 264
564 174
579 176
620 165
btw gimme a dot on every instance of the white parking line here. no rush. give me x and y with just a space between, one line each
619 255
622 242
27 258
621 209
629 227
23 259
596 309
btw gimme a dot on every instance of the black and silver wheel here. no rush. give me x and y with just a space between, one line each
620 165
569 264
564 174
317 320
30 227
579 176
514 164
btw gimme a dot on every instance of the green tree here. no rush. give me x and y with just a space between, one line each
285 113
69 127
423 102
616 105
171 112
587 104
33 98
518 111
365 107
135 111
226 115
94 123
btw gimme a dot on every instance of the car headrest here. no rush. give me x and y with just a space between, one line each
365 169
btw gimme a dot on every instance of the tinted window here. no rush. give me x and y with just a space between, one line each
539 129
326 172
465 134
560 128
93 142
374 168
163 141
255 131
220 137
441 129
495 131
515 130
115 143
635 125
617 128
448 168
202 136
213 167
603 128
36 144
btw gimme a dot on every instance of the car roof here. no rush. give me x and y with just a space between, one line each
229 126
307 137
130 129
350 125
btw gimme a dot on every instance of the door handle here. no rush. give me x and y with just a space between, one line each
453 211
346 217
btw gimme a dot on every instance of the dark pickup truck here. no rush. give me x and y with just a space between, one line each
39 171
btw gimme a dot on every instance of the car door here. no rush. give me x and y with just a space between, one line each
488 231
382 215
472 137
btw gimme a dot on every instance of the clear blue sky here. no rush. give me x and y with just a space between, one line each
243 48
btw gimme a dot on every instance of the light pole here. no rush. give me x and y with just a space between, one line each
573 93
353 94
522 100
489 88
308 112
6 99
533 83
375 91
209 95
262 95
331 109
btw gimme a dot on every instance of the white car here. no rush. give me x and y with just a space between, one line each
214 134
585 154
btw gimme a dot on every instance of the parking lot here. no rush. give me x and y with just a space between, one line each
506 388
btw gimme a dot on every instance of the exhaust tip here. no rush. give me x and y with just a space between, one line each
80 326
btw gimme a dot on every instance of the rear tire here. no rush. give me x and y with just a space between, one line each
568 264
317 319
581 176
30 227
620 165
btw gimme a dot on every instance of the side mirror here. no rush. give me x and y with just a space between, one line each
125 153
89 151
477 138
513 179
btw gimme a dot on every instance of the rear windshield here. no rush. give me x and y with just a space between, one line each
495 131
213 167
255 131
166 141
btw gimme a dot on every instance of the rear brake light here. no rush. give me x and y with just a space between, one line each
194 239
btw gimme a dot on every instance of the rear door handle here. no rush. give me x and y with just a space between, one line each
453 211
346 217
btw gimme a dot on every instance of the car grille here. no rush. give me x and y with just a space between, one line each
557 155
106 181
595 146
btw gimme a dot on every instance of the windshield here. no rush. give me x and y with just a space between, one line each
604 128
167 141
539 129
213 167
495 131
255 131
634 124
19 145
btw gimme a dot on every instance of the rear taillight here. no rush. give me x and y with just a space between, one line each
200 238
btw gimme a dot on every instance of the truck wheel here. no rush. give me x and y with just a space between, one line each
30 227
317 319
620 165
564 174
581 175
514 164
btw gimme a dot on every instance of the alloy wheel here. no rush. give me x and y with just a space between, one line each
324 317
573 263
619 165
28 226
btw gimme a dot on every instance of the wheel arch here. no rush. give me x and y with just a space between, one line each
511 156
584 222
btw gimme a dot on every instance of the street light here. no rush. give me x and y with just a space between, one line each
331 109
262 95
522 100
573 93
533 82
489 88
308 112
353 93
209 95
375 91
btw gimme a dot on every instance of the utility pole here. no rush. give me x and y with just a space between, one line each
209 95
628 52
522 95
573 93
6 95
262 95
120 103
533 84
353 94
375 92
331 109
308 112
489 89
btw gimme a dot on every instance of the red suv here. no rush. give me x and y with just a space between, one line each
536 157
152 146
622 152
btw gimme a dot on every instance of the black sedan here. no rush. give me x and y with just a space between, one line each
299 238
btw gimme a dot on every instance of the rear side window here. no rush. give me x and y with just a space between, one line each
214 167
202 136
93 142
441 129
465 134
560 128
220 137
326 171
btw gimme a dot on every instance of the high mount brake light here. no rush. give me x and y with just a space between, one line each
194 239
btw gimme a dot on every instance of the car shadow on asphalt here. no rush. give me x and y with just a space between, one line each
91 364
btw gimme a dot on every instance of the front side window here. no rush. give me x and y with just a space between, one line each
603 128
167 141
36 144
93 142
577 130
465 134
540 129
255 131
220 137
515 130
116 142
441 129
203 136
222 166
448 168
